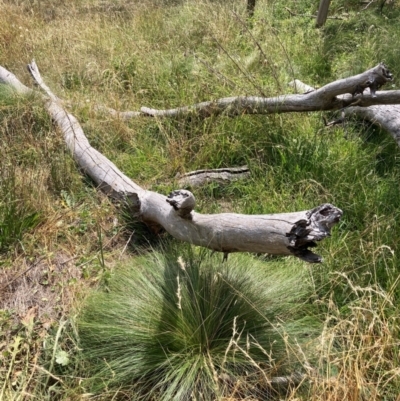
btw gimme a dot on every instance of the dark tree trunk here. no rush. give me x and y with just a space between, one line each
251 5
322 12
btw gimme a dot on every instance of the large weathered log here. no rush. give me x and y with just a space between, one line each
281 234
333 96
386 116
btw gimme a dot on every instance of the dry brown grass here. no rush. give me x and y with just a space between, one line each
52 266
358 349
356 358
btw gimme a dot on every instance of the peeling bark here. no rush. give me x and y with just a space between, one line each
279 234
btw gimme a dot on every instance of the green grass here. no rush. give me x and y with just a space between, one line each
15 217
166 54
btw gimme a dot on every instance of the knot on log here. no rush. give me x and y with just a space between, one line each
376 79
183 202
305 233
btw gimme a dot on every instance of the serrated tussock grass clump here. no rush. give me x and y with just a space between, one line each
175 324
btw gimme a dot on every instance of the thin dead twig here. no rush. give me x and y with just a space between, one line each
245 73
273 71
21 274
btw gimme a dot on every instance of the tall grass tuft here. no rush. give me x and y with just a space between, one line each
174 324
16 216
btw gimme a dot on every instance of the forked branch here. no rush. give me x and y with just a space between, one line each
386 116
335 95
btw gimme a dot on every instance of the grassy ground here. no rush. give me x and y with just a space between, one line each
60 238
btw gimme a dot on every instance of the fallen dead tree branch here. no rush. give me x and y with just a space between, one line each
386 116
218 175
335 95
282 234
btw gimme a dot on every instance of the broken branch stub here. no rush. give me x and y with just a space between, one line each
278 234
183 202
305 232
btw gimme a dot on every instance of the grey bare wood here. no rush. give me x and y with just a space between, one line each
387 116
218 175
333 96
